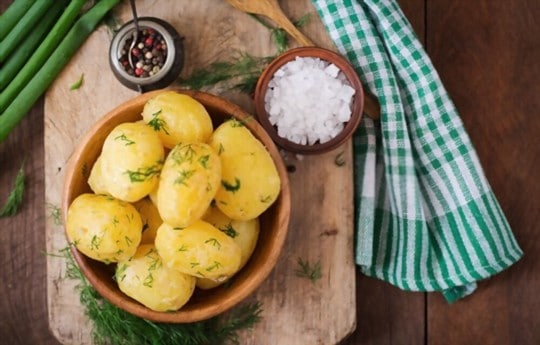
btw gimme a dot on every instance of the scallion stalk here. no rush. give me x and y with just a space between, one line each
41 55
76 36
12 15
23 27
21 55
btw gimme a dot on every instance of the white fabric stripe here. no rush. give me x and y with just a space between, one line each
379 41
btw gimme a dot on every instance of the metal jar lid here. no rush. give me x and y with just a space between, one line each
172 65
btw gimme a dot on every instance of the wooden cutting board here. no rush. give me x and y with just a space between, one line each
296 311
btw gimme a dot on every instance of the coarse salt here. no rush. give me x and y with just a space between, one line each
309 100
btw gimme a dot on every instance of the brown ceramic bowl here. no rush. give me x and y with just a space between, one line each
203 304
326 55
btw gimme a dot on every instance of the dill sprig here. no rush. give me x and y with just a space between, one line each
15 197
279 36
55 214
306 270
113 326
245 69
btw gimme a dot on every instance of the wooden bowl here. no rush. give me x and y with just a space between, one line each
326 55
203 304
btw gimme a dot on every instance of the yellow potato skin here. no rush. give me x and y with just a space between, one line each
131 160
177 118
199 250
104 228
150 218
189 180
96 180
250 180
145 279
244 233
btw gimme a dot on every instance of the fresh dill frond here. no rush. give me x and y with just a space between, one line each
303 21
114 326
306 270
55 214
279 36
15 197
241 73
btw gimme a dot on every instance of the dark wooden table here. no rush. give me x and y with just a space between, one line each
488 55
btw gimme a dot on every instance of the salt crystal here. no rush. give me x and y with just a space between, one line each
332 70
309 100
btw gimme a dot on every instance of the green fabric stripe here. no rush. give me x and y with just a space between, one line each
436 223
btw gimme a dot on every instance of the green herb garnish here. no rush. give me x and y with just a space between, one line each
240 74
203 161
306 270
279 36
215 266
229 231
231 187
182 154
76 85
240 123
213 242
149 280
111 325
15 197
55 214
184 176
124 138
157 123
143 174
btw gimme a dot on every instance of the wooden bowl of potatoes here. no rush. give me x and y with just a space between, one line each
176 205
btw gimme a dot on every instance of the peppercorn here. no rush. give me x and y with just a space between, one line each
148 55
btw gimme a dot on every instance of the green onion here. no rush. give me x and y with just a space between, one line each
12 15
41 55
76 36
23 27
76 85
19 57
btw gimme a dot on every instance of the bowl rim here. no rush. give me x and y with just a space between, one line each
329 56
245 288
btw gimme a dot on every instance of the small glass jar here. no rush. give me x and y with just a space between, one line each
167 70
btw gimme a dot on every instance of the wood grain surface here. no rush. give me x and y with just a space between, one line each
321 313
487 53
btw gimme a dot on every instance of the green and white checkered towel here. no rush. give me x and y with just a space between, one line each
427 219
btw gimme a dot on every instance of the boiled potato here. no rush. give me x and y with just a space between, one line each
244 233
188 182
200 250
131 161
150 218
177 118
145 279
96 180
250 180
104 228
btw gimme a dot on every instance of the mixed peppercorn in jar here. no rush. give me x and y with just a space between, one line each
148 55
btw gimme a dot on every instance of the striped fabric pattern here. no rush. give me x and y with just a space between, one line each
426 217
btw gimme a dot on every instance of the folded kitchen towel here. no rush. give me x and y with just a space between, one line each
427 219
